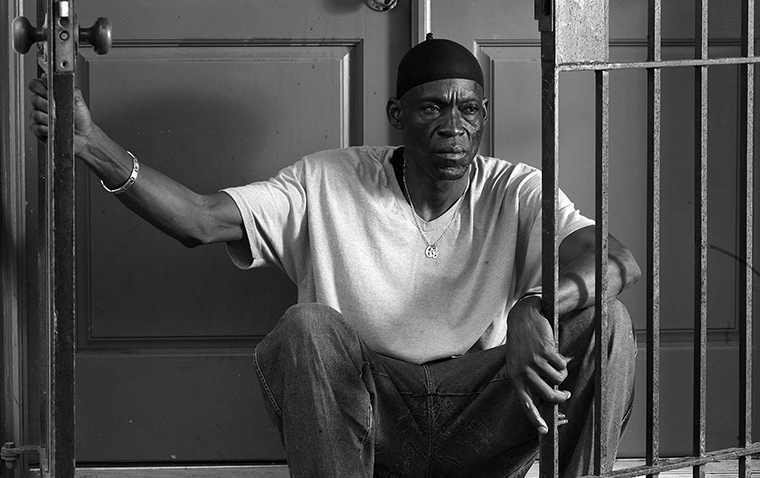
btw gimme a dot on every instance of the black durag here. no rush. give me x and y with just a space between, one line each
436 59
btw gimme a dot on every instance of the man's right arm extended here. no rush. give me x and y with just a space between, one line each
191 218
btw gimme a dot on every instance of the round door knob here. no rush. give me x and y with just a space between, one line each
25 35
381 5
98 35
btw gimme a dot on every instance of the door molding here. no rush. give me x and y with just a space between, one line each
12 231
421 20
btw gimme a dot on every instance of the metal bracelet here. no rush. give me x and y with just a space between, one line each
130 181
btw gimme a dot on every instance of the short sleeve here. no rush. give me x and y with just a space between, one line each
274 218
569 220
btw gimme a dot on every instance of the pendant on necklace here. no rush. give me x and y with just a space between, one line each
431 251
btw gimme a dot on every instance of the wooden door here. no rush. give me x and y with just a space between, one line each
505 37
213 94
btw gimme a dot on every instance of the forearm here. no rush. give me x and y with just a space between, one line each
577 286
173 208
577 278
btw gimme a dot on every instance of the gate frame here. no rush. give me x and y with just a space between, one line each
567 45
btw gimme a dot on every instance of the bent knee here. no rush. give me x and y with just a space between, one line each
620 322
310 333
310 321
582 323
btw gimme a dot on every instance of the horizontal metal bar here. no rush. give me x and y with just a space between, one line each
740 60
684 462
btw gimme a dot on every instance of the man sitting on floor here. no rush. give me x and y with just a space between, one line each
418 347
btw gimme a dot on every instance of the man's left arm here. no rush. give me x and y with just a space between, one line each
534 364
577 270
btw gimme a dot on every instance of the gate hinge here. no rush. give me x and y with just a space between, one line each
10 453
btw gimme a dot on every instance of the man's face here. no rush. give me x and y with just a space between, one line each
442 123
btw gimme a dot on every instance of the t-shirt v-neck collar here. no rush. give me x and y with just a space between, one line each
394 167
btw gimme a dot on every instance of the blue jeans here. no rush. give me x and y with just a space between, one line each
345 411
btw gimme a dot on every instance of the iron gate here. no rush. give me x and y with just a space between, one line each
575 37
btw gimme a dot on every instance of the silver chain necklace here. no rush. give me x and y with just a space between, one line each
431 251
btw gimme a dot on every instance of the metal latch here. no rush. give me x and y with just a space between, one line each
10 453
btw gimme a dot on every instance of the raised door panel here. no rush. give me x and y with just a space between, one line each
209 118
213 94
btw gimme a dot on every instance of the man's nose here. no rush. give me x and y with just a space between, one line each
452 123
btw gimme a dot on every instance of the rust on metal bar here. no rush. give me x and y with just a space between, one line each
745 210
654 108
700 239
549 461
601 401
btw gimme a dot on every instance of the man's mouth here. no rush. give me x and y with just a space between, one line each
452 153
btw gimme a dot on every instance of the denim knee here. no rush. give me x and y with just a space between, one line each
303 323
621 326
306 318
307 333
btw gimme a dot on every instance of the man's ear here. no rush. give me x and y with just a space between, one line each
485 110
393 111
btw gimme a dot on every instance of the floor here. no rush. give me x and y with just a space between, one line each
714 470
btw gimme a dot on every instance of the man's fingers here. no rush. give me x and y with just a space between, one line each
530 409
39 103
38 118
550 374
38 87
78 98
552 366
557 360
41 132
562 419
545 390
38 125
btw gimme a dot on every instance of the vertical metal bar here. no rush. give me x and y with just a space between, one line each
601 402
746 211
549 463
57 208
43 246
700 238
654 97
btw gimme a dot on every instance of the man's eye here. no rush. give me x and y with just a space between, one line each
470 110
430 109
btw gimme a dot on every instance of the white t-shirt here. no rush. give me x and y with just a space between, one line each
339 226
